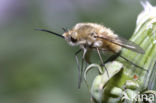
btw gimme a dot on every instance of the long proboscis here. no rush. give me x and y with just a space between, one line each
59 35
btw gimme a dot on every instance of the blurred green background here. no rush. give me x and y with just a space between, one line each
36 67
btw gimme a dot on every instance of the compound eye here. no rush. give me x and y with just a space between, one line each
73 40
93 34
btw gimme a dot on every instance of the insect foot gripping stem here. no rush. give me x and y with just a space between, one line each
100 82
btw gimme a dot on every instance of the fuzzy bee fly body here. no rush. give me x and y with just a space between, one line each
86 35
92 36
97 36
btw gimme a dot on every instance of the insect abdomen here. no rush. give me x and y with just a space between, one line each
111 46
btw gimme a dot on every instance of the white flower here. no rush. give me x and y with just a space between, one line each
149 13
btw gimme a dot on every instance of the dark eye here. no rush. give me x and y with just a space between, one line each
73 40
92 34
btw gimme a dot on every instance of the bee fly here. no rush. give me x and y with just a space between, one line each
91 36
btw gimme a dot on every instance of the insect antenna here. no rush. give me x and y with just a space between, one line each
59 35
65 29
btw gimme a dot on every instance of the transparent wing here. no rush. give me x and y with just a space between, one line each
124 43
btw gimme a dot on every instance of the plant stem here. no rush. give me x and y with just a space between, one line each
131 80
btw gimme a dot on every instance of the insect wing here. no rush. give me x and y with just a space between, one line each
124 43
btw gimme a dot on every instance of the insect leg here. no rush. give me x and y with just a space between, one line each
78 66
99 54
81 70
118 55
132 63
